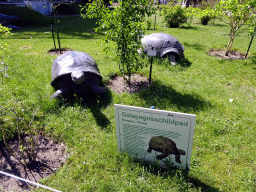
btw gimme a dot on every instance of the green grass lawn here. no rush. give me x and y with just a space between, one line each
224 145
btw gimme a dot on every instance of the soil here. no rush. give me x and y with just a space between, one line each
58 51
50 156
231 55
119 85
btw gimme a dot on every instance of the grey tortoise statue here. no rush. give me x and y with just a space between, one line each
166 146
164 44
75 72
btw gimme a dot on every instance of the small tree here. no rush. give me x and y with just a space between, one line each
235 13
124 26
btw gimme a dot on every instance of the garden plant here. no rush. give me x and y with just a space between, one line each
174 15
124 26
235 13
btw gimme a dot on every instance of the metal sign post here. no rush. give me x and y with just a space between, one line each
155 23
151 53
53 37
250 45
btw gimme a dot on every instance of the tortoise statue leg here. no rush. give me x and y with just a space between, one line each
98 89
58 93
172 60
162 156
149 150
177 158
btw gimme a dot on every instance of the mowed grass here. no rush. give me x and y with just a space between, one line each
224 147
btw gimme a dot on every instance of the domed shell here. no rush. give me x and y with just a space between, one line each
163 43
73 61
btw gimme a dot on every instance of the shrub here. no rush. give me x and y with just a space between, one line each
205 15
174 16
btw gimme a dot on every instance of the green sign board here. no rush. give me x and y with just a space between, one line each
155 135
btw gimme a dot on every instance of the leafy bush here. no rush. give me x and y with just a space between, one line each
205 15
4 31
174 16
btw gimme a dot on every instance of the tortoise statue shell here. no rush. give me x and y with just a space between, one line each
75 72
164 44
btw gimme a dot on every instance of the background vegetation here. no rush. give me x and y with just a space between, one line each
220 92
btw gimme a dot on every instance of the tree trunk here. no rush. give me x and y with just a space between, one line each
230 43
187 4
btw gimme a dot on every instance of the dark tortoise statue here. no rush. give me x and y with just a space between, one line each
164 44
75 72
166 146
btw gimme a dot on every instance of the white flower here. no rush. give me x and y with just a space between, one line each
231 100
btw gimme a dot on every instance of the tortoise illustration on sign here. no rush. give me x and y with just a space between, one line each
166 146
75 72
164 44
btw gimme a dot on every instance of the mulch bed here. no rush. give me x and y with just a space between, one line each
119 85
58 51
232 55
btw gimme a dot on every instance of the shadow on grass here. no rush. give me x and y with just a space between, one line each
196 46
184 62
250 61
91 101
178 174
218 25
189 27
163 97
70 28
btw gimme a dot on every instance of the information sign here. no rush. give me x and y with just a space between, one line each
152 53
155 135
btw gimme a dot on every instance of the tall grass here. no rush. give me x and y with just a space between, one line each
223 154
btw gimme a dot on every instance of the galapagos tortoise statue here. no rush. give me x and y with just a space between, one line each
75 72
164 44
166 146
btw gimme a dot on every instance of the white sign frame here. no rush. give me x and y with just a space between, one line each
136 126
152 53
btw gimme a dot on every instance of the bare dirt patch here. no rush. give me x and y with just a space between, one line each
119 85
58 51
25 47
50 156
231 55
